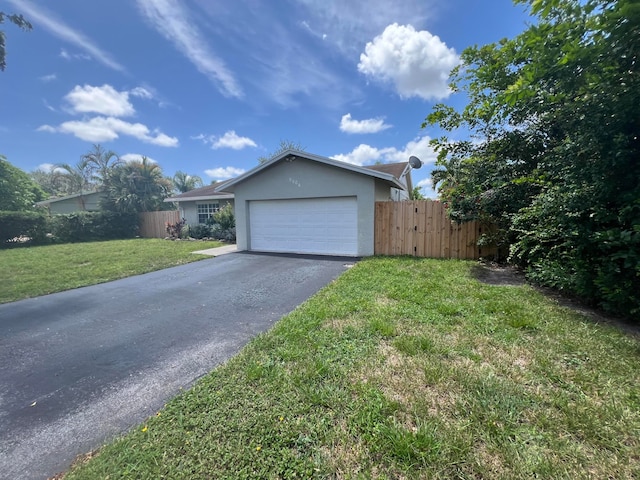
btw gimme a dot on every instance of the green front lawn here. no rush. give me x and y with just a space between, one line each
32 271
404 368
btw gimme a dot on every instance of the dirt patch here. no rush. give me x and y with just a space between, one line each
494 274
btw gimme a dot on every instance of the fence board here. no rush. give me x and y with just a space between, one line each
154 224
421 228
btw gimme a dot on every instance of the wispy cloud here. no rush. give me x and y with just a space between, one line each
48 78
349 25
171 20
46 19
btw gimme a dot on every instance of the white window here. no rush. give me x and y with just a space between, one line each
206 211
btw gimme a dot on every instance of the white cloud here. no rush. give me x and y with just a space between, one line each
45 18
45 167
371 125
48 78
366 154
103 129
417 63
135 157
231 140
171 20
105 100
224 173
425 183
361 155
426 186
49 168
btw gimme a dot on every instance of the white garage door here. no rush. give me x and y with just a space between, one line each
325 226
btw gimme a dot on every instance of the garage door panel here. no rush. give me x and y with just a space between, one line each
321 225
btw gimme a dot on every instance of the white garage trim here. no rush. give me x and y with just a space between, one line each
323 226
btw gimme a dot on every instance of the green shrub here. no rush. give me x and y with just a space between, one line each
223 224
91 226
25 225
200 231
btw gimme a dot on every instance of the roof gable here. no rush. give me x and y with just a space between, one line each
229 185
49 201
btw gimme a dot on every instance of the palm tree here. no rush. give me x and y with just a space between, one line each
74 179
137 186
183 182
100 163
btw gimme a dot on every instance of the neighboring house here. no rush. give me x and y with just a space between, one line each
298 202
196 206
79 202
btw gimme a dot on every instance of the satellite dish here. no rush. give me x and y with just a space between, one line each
415 162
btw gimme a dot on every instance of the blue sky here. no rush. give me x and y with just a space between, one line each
208 86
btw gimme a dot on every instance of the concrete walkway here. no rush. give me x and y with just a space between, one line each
216 252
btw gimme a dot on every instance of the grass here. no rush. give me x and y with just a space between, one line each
404 368
33 271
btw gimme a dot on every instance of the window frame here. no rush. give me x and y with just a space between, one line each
205 211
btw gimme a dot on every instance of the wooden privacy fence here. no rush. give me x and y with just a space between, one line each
421 228
154 224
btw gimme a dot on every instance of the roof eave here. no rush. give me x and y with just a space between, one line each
194 199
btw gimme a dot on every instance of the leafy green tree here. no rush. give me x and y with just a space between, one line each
554 147
17 20
183 182
284 146
18 192
137 186
416 194
49 182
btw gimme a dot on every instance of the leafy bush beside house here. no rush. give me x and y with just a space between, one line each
223 224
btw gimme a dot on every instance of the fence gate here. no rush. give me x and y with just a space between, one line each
421 228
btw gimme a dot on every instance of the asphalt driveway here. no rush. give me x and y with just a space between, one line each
80 367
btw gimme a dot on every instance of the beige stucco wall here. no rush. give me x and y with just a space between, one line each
75 204
302 178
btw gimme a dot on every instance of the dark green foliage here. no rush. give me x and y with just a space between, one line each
416 194
18 192
200 231
28 225
555 162
92 226
223 224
